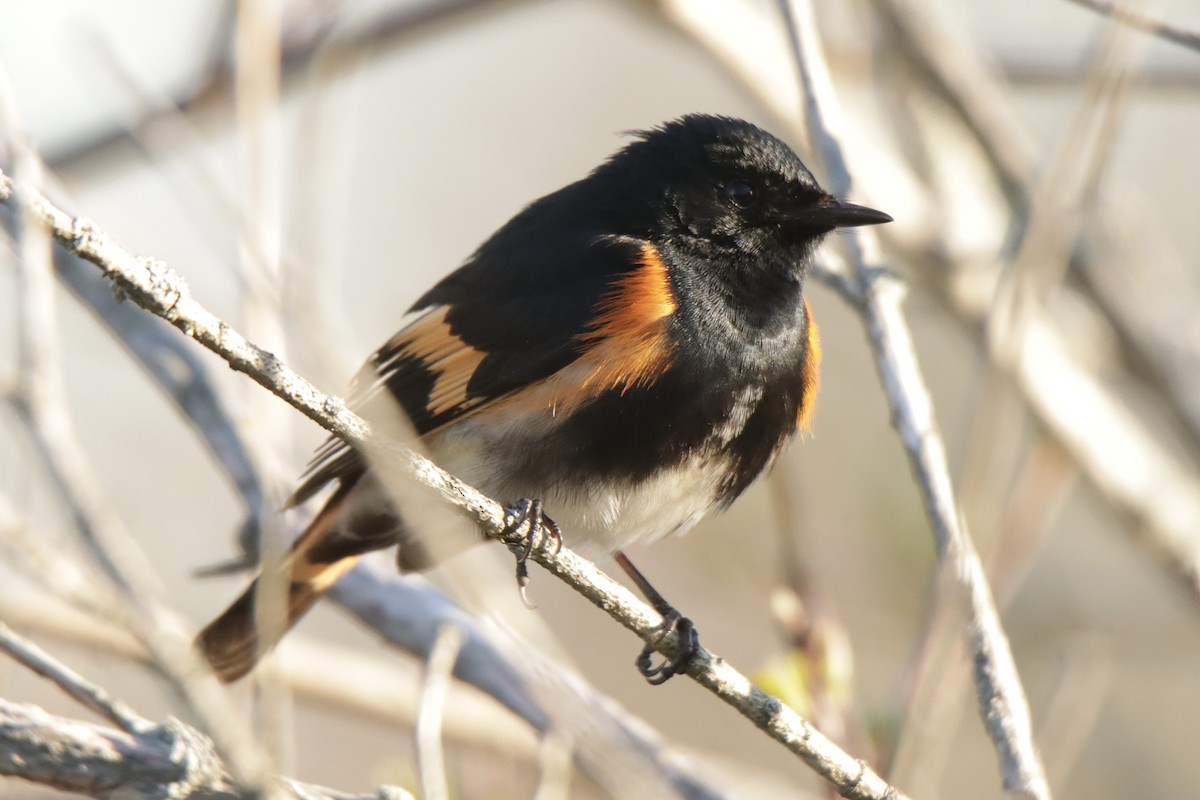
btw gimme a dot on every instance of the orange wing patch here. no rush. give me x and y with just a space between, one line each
447 356
810 377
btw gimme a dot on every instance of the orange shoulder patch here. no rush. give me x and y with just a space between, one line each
628 343
625 346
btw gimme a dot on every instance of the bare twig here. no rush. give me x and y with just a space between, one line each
177 370
87 694
404 612
256 84
339 50
171 760
1143 22
400 611
1143 479
950 68
554 758
347 680
1058 202
1160 495
1035 272
1130 265
939 675
153 286
1002 702
1149 304
408 613
814 637
40 398
49 565
431 760
1085 683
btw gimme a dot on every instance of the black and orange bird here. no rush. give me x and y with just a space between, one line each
629 352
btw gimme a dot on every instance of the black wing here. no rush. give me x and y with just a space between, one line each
507 320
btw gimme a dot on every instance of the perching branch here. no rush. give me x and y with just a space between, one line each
1002 700
153 286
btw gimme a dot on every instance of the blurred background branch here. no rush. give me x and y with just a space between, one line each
141 760
1127 15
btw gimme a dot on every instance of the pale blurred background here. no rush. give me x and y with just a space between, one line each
397 166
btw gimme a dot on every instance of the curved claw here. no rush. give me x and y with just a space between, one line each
522 583
679 663
527 513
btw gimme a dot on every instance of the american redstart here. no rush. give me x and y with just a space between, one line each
629 352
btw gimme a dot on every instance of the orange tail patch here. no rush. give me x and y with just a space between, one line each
233 643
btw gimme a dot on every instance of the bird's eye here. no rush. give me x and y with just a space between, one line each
740 193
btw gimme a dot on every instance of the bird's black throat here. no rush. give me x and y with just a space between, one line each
749 314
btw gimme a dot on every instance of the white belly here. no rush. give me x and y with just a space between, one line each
598 517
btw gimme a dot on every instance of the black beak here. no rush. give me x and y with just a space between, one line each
831 213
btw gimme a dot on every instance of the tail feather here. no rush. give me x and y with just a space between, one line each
233 643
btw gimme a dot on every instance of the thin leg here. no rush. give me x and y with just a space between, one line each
672 621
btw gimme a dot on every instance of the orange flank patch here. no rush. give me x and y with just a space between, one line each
810 378
448 357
